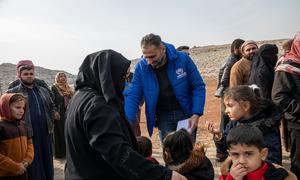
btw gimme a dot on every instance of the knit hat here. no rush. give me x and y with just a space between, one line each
24 63
247 43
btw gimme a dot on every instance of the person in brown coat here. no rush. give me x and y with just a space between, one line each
240 71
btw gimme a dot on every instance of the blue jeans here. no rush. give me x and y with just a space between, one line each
167 122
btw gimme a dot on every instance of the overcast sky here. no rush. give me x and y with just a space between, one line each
58 34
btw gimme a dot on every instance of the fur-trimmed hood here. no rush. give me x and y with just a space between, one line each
197 166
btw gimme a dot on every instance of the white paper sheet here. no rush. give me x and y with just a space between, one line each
183 124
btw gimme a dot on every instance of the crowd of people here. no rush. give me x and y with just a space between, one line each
95 126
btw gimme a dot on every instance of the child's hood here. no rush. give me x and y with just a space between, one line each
5 112
195 160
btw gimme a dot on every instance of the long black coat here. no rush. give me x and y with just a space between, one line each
100 142
262 69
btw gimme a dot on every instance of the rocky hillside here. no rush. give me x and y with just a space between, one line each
8 74
210 58
207 58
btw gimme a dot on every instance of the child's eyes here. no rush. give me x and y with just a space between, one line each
234 154
248 154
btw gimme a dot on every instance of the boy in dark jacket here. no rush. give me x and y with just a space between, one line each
247 157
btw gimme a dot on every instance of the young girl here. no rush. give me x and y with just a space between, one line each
244 106
16 148
182 156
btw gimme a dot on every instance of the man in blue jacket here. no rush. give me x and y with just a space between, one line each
171 85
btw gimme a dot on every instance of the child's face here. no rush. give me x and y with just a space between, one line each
17 109
236 110
250 157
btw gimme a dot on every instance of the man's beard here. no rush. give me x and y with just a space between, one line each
26 82
160 63
249 57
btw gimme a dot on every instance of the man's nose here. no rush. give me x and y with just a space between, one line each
149 60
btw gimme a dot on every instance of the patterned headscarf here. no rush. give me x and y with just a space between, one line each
63 87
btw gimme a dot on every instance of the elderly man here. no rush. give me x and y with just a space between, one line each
171 85
39 116
240 71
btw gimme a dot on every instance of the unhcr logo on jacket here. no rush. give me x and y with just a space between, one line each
180 73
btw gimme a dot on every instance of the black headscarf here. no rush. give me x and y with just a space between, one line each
104 71
262 68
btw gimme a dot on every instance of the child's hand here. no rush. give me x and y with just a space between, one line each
238 171
225 167
214 130
22 169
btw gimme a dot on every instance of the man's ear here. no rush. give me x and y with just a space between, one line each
162 47
264 153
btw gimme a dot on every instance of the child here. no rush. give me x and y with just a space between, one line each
145 148
244 106
247 157
182 156
16 148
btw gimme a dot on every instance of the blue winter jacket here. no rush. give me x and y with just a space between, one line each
184 77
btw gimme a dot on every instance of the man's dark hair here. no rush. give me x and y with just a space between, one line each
245 134
151 39
179 144
144 146
180 48
236 44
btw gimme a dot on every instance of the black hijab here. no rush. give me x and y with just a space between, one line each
104 71
262 68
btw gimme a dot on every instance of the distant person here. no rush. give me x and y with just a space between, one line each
185 49
248 157
224 72
39 116
100 142
223 83
285 93
171 85
262 69
16 149
181 155
62 93
145 148
245 106
240 71
286 46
